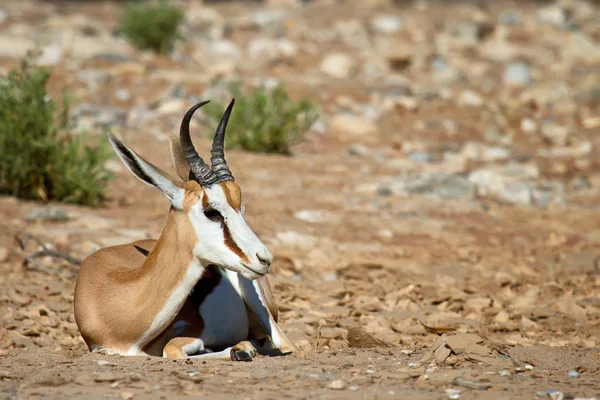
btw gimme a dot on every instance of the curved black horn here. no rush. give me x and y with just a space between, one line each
217 155
198 167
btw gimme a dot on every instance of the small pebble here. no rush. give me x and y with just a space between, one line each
104 362
453 393
504 373
573 374
337 385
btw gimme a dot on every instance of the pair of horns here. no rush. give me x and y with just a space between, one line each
199 170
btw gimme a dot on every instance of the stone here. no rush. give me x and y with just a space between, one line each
496 185
509 18
448 186
420 157
554 133
269 50
517 73
297 239
51 56
352 125
398 52
172 106
386 24
528 126
224 50
469 98
3 254
337 65
470 32
268 18
47 213
553 14
337 385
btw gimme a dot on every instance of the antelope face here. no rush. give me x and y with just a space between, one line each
224 237
210 198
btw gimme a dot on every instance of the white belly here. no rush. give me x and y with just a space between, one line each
225 316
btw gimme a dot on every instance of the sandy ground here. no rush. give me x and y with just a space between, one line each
386 295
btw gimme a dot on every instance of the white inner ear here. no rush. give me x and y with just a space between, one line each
148 173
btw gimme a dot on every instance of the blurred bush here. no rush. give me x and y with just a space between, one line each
265 120
151 26
38 158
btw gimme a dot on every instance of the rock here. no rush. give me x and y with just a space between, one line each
546 193
528 126
449 186
478 152
269 50
509 18
127 395
581 48
171 107
224 50
337 65
297 239
420 157
470 32
3 254
553 14
469 98
51 56
352 125
337 385
108 377
554 133
357 149
47 213
268 18
517 73
495 185
3 16
122 94
573 374
93 78
386 24
398 52
333 333
316 216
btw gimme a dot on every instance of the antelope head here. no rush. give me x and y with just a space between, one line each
209 197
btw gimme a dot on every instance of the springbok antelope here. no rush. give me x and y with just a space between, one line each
201 290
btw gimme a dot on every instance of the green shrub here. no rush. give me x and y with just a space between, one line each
266 120
38 159
152 27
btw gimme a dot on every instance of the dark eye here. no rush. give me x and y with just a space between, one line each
213 215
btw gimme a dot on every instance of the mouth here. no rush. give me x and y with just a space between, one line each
253 270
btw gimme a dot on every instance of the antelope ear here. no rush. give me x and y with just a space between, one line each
148 173
179 162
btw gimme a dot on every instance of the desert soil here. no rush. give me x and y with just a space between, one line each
436 235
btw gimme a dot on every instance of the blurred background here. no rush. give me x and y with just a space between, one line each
416 167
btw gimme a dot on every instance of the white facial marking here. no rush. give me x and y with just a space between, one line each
212 247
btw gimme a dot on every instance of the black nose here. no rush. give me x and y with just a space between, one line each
264 261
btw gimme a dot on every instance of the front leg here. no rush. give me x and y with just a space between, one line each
187 347
182 347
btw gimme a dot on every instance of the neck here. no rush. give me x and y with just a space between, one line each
169 274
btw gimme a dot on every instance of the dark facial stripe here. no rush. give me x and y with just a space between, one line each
229 242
